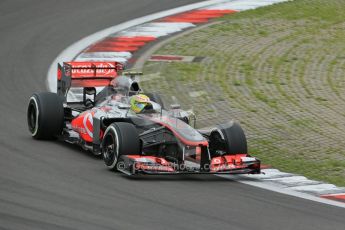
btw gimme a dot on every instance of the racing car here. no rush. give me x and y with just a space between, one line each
135 133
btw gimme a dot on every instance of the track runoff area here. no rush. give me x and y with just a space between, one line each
119 43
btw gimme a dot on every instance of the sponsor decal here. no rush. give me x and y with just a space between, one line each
94 69
83 124
88 124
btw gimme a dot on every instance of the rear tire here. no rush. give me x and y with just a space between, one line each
120 138
228 138
45 115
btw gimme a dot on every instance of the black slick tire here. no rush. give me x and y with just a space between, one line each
120 138
45 115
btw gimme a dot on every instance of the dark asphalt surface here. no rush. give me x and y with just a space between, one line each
51 185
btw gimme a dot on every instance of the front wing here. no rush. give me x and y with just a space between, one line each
229 164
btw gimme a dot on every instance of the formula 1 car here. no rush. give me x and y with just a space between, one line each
155 141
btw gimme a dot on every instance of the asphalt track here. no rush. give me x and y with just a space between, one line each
51 185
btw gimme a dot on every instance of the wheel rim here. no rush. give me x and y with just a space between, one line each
217 144
32 117
109 150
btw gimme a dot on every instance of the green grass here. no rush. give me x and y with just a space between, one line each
301 122
328 170
281 68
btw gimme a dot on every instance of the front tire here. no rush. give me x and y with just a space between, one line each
45 115
228 138
120 138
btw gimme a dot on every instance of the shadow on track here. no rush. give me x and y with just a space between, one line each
139 178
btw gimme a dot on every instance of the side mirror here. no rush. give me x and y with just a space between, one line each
124 106
175 106
132 74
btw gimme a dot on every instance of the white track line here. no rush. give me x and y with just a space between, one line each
117 59
243 4
286 191
126 55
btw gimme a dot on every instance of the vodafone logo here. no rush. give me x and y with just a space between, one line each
98 71
87 69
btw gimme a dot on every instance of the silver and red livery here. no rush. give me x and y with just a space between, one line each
156 141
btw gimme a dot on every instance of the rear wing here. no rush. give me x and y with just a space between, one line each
86 74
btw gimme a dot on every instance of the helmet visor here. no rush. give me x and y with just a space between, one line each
140 105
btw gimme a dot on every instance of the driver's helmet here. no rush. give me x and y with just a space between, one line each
140 102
